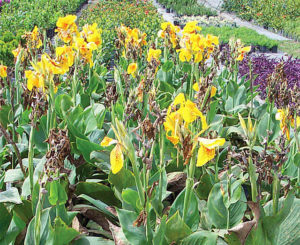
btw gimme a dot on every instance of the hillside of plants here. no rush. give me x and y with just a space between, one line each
117 127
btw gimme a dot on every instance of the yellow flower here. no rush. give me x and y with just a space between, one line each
282 115
65 56
206 151
213 91
184 55
66 22
92 34
153 54
132 69
116 155
242 52
34 80
35 37
85 49
3 72
17 51
191 27
66 27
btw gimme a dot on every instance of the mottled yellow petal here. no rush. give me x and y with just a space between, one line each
107 141
243 124
179 99
211 143
204 155
196 87
116 159
213 91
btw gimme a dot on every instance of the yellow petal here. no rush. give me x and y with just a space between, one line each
204 155
116 159
243 124
196 87
173 138
213 91
106 141
179 99
211 143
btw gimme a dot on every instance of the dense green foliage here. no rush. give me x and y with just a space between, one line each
19 16
247 36
278 14
187 7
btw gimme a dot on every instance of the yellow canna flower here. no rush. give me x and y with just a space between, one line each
153 54
285 119
116 155
92 34
3 71
34 80
132 69
213 91
65 56
66 27
191 28
184 55
242 52
206 151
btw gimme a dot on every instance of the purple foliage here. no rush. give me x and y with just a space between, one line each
263 66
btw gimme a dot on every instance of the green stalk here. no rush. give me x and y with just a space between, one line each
206 97
30 157
190 86
269 121
37 223
189 185
276 192
74 81
298 146
161 166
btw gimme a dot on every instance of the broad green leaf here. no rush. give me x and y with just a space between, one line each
176 229
4 220
122 179
204 187
201 237
193 216
135 235
63 103
24 211
159 236
86 148
11 195
217 210
97 191
131 197
61 234
57 193
167 66
89 240
12 175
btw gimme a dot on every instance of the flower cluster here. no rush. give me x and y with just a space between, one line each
195 46
169 34
178 131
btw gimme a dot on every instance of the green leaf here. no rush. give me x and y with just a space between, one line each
297 159
201 237
89 240
193 216
131 197
97 191
11 195
14 229
63 103
217 210
86 148
122 179
57 193
176 229
167 66
135 235
61 234
159 236
24 211
13 175
101 206
204 187
4 220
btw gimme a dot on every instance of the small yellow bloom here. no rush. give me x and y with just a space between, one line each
116 155
66 22
116 159
153 54
184 55
206 151
191 27
34 80
132 69
196 87
213 91
3 71
242 52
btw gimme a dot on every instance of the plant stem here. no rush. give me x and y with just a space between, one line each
189 185
161 165
30 158
276 192
190 86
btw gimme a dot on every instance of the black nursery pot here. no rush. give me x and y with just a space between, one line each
168 10
50 33
264 49
181 25
176 22
274 49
